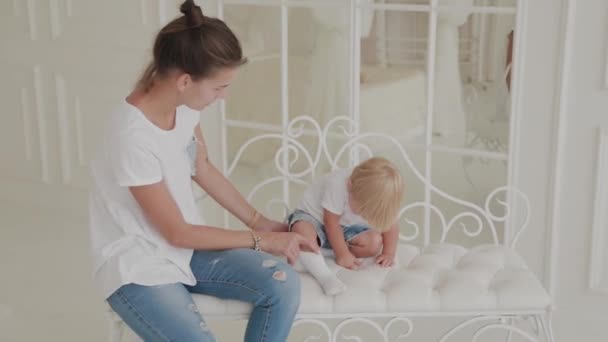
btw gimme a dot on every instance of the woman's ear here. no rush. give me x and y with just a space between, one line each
183 81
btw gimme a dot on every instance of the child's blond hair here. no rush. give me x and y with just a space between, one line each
376 187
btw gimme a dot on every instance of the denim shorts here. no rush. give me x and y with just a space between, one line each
350 232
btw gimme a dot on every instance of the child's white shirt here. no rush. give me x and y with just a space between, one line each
331 192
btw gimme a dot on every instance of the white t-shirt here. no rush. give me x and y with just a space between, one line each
126 247
331 192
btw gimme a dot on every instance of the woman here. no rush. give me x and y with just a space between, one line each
149 243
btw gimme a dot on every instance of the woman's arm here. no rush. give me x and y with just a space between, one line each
221 189
162 211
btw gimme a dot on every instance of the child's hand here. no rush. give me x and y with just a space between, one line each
348 260
385 260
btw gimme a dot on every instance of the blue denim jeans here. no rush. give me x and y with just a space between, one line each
168 313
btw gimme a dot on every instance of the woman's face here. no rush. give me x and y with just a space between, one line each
204 92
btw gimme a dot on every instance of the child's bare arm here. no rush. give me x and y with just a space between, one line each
389 246
336 239
390 239
334 232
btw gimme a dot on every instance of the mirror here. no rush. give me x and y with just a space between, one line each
471 96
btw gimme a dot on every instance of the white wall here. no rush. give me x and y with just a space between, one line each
539 99
582 313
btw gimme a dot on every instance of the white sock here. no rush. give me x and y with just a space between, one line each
315 264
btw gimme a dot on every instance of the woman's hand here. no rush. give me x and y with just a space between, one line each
286 244
266 225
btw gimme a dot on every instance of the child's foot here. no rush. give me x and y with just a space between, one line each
333 286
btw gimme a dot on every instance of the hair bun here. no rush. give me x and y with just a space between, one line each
193 13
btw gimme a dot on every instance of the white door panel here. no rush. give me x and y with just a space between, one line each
580 223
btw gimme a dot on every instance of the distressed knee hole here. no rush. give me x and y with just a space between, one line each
192 307
280 275
268 263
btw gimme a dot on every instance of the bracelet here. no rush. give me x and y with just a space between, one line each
256 241
254 219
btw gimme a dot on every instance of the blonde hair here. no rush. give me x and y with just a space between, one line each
376 187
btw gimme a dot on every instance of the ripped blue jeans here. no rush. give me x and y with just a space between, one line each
168 313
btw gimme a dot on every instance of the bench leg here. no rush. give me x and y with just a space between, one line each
116 327
118 330
547 326
509 321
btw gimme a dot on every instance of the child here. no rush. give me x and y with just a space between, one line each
354 212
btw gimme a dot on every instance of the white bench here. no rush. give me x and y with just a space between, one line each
488 286
489 282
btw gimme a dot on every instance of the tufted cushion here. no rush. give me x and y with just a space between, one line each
441 277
